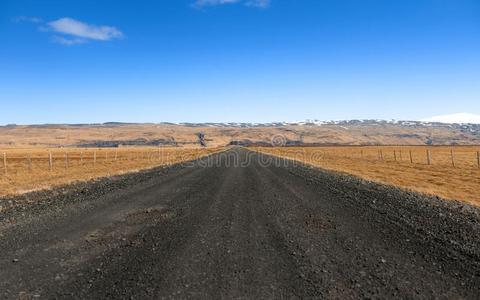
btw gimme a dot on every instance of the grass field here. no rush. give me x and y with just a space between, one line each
430 170
51 136
451 179
32 169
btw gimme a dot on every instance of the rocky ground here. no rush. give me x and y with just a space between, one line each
237 225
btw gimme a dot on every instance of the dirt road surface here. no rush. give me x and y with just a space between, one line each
237 225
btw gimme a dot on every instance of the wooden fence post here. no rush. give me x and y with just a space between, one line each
94 158
453 158
116 154
381 154
66 160
50 161
5 162
81 157
411 158
29 162
395 154
428 157
478 159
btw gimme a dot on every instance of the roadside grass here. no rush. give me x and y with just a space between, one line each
459 180
32 169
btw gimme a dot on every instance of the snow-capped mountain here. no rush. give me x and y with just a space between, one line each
307 132
459 118
464 121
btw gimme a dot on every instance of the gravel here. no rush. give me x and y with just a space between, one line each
225 231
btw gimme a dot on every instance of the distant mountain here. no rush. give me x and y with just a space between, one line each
460 118
308 132
448 121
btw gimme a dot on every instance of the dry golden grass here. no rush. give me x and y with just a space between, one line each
186 136
460 182
29 169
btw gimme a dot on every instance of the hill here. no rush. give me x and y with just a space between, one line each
351 132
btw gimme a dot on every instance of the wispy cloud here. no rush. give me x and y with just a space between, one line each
250 3
24 19
68 41
258 3
201 3
75 28
69 31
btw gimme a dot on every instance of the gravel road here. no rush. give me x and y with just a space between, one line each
237 225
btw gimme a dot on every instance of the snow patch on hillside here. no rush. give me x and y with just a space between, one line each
459 118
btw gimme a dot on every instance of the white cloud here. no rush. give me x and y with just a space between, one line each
69 31
78 29
201 3
68 41
258 3
251 3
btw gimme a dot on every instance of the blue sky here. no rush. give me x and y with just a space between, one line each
237 60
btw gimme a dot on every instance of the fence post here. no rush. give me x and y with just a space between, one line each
50 161
428 157
381 154
411 158
29 162
116 154
478 159
453 158
66 160
5 162
94 158
395 154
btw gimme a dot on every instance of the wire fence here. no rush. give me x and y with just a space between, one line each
451 172
453 156
26 169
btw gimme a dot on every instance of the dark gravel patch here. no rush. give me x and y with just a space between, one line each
225 231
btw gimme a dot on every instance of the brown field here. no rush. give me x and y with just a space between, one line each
459 180
29 169
78 136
